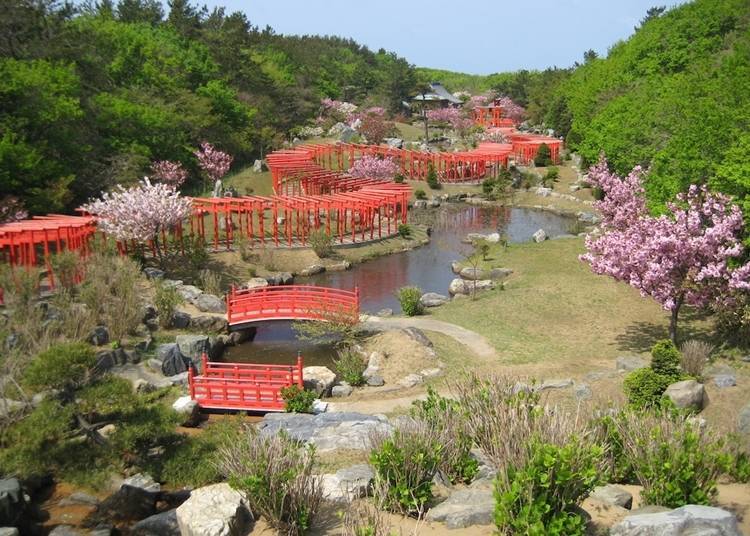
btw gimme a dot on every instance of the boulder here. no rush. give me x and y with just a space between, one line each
216 510
349 483
135 500
153 273
375 380
411 380
187 409
460 286
687 394
725 380
385 312
174 362
342 390
313 269
209 322
627 363
493 238
539 236
9 531
65 530
280 278
743 421
418 336
241 335
497 274
208 303
99 336
433 299
12 501
255 282
396 143
258 166
181 320
465 508
188 292
79 498
690 519
193 346
327 431
430 373
472 274
613 495
420 203
142 481
556 384
455 267
543 192
163 524
582 391
319 379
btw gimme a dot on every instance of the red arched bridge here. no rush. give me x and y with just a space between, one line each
292 302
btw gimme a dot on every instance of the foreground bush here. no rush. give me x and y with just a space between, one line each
350 367
409 299
297 399
619 467
674 459
275 474
62 366
405 463
541 495
644 387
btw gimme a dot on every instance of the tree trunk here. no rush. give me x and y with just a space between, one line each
675 313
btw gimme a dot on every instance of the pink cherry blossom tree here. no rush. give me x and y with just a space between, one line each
511 110
214 163
373 167
171 173
141 212
683 257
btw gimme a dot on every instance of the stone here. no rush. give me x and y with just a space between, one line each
280 278
485 470
142 385
153 273
327 431
396 143
555 384
434 202
216 510
430 373
180 379
743 421
687 394
319 379
411 380
319 406
377 381
163 524
497 274
64 530
193 346
99 336
627 363
349 483
543 192
460 286
614 495
181 320
313 269
418 335
258 166
209 322
173 361
472 274
539 236
493 238
725 380
420 203
433 299
686 520
208 303
385 312
130 502
241 335
164 350
187 409
340 266
255 282
12 501
189 292
455 267
582 391
9 531
465 508
142 481
342 390
79 498
9 406
107 430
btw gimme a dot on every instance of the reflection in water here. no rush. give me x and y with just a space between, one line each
427 267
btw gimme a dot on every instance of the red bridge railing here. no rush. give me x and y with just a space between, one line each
243 386
292 302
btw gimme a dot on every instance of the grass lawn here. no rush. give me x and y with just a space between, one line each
410 132
555 312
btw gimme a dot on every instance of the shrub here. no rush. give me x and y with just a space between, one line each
432 178
210 282
363 519
297 399
540 496
405 463
420 194
607 434
350 366
665 359
694 357
109 397
644 388
483 248
399 178
488 186
551 177
166 301
446 416
404 230
62 366
67 268
193 251
543 156
321 243
409 299
675 461
275 474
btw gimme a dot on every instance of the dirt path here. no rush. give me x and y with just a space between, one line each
472 340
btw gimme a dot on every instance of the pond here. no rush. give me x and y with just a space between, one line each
427 267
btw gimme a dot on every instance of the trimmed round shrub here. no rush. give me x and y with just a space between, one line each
666 359
420 194
645 387
409 299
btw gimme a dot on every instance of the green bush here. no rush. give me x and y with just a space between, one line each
62 366
432 178
166 301
488 186
666 359
644 388
405 463
107 398
275 474
541 496
350 366
144 427
543 156
399 178
404 230
620 467
551 177
297 399
420 194
408 298
321 243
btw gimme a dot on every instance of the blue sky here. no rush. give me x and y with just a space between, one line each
481 36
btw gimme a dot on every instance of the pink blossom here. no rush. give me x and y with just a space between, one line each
342 108
373 167
455 117
171 173
213 162
494 135
511 110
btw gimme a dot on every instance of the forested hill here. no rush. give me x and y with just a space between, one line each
90 96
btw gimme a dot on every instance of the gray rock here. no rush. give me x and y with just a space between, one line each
255 282
319 379
582 391
555 384
472 274
216 510
9 406
418 335
430 373
241 335
12 501
342 390
628 363
614 495
280 278
485 471
193 346
209 322
65 530
385 312
164 350
99 336
687 520
421 203
493 238
465 508
543 192
9 531
455 267
188 292
79 498
163 524
258 166
411 380
142 481
313 269
539 236
153 273
327 431
349 483
725 380
181 320
687 394
187 409
460 286
498 274
173 361
743 421
208 303
433 299
396 143
377 381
